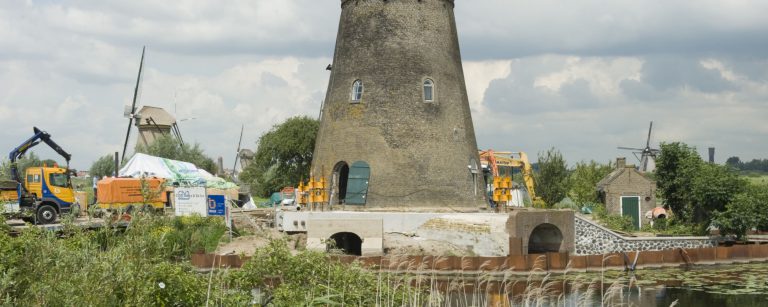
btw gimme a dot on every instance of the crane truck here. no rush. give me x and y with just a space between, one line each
44 192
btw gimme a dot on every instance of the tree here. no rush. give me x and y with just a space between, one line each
676 166
283 156
22 163
693 189
713 187
583 181
104 166
168 147
745 211
734 162
552 179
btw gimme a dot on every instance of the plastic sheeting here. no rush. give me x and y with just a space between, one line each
183 173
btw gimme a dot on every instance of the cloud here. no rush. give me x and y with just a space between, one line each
583 76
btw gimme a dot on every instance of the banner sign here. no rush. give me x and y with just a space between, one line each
216 205
189 201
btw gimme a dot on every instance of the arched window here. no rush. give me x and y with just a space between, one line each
357 90
429 90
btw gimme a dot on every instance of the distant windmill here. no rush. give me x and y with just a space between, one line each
130 113
237 156
647 155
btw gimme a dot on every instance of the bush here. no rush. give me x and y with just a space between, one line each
613 221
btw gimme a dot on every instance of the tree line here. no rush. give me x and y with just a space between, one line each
754 165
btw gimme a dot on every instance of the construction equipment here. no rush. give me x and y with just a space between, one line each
502 189
46 191
123 193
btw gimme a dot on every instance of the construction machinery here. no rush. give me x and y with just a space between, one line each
44 192
501 165
122 193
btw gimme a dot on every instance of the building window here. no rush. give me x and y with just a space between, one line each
357 91
429 90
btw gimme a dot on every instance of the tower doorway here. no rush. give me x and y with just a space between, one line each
340 179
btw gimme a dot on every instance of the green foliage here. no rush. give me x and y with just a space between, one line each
693 189
312 277
613 221
754 165
552 178
583 181
104 166
283 157
746 210
28 160
143 265
714 186
676 166
168 147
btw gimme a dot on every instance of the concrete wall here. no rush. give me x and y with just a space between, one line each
482 234
521 224
369 230
418 151
593 239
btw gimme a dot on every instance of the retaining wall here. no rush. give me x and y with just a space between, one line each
593 239
533 262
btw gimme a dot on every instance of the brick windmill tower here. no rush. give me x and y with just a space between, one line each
396 130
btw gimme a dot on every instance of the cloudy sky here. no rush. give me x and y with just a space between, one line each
581 76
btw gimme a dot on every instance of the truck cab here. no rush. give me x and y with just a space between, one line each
52 185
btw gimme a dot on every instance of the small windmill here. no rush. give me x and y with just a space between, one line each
647 155
130 113
237 156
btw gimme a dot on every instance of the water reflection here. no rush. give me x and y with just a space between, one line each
716 286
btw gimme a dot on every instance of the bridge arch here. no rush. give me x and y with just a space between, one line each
545 238
348 242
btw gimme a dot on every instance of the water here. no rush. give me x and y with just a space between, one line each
712 286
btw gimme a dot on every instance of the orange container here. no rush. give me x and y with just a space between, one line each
128 190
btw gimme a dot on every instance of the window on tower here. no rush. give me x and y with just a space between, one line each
357 91
429 90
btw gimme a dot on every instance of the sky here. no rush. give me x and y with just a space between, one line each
581 76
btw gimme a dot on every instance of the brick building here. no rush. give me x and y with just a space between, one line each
626 191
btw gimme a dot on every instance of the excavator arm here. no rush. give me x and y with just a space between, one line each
40 136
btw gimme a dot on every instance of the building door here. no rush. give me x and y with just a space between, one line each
630 205
339 182
357 183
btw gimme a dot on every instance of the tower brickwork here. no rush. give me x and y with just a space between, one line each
396 130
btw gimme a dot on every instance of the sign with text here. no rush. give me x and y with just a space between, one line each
190 201
216 205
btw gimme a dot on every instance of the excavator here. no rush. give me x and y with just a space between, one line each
493 160
45 192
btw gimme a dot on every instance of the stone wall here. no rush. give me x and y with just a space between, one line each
420 153
593 239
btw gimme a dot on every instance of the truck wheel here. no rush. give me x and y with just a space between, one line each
46 214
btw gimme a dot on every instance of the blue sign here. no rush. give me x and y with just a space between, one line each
216 205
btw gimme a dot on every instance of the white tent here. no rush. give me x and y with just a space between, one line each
184 173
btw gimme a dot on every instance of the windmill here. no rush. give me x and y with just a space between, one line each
647 155
237 156
130 113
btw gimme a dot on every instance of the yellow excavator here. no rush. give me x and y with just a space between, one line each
493 160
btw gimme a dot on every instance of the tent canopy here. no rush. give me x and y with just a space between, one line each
184 173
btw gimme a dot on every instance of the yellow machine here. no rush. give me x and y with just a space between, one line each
44 192
493 160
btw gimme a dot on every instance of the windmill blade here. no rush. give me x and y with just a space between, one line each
629 148
133 105
648 142
237 155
